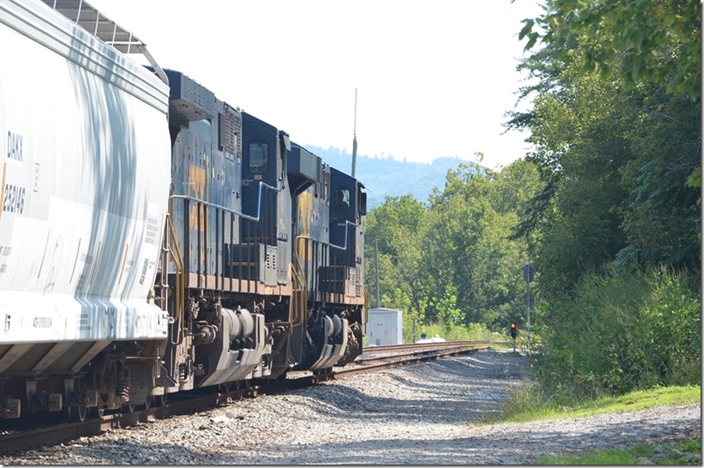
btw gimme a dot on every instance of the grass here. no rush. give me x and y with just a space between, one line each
530 404
471 332
680 453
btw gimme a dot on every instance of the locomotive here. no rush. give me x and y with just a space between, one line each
155 239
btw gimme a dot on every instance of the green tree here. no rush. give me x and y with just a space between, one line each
397 226
662 219
468 246
616 161
616 121
585 138
631 40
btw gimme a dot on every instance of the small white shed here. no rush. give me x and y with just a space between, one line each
385 327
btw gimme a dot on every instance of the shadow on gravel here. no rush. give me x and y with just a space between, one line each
342 402
484 445
134 453
503 444
455 391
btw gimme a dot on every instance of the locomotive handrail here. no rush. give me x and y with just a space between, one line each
223 211
179 300
302 281
347 225
341 247
298 303
259 204
230 210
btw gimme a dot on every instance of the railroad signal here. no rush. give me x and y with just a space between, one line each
514 332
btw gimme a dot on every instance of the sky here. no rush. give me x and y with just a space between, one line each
432 79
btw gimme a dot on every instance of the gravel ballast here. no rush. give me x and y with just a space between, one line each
424 414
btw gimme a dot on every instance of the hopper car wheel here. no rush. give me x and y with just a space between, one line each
77 413
97 412
160 400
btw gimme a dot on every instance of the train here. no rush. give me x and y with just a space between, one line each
155 239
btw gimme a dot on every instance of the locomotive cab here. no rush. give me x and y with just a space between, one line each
265 202
348 205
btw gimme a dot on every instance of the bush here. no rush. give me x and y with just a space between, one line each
623 331
673 328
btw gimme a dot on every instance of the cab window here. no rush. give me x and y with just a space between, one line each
258 157
342 200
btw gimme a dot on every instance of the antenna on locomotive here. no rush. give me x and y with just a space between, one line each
354 140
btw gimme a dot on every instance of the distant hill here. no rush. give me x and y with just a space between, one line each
385 177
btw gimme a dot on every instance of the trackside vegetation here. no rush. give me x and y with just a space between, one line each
532 404
681 453
606 206
621 331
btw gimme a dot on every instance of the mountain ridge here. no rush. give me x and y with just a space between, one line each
388 177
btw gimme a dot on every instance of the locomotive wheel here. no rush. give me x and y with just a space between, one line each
77 413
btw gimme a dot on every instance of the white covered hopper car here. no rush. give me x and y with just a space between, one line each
78 251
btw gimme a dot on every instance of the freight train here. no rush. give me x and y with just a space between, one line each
155 239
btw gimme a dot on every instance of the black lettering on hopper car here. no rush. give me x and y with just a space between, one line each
13 202
14 146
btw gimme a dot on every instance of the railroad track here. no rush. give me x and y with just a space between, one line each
374 359
387 356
